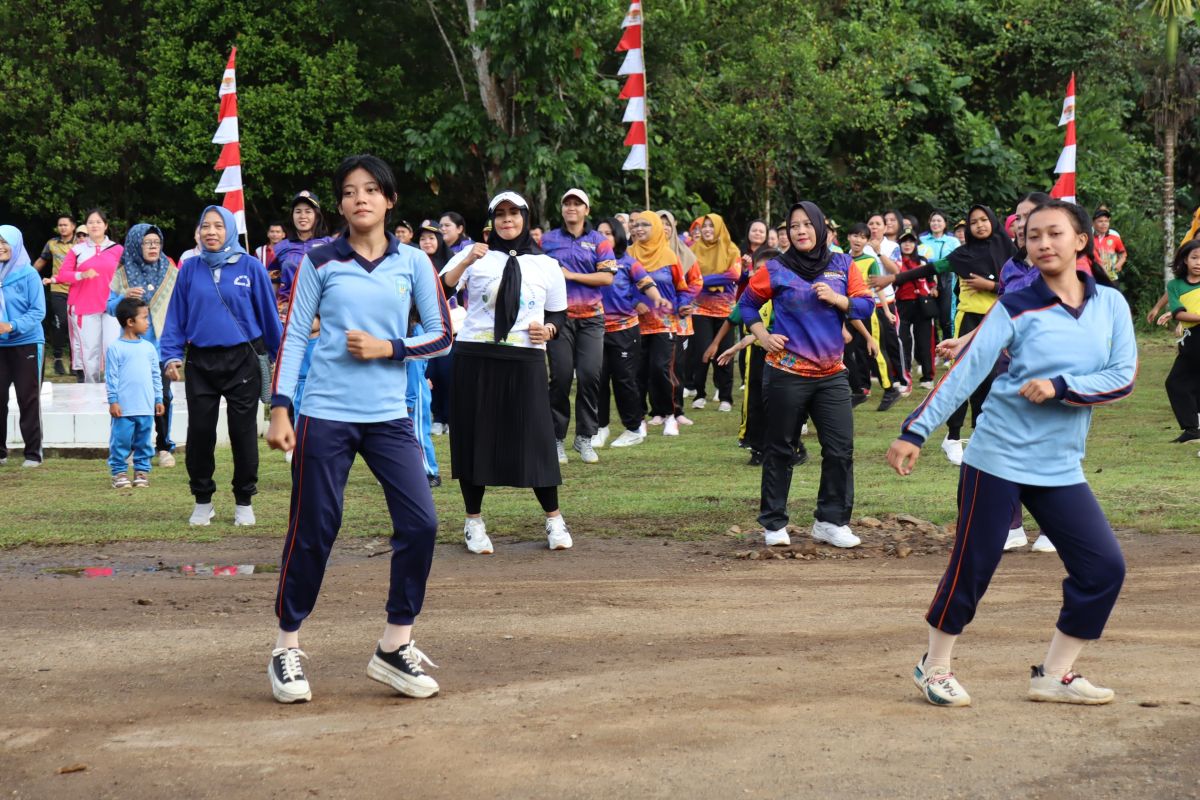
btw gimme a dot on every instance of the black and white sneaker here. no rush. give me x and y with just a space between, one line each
288 683
402 671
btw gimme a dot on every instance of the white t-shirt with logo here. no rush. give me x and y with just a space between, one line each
543 288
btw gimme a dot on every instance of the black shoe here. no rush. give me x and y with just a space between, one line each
756 458
889 399
79 376
1188 435
59 369
799 457
858 398
435 481
402 671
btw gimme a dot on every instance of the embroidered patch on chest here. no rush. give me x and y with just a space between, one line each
242 280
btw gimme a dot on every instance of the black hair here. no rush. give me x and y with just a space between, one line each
1037 198
455 217
127 310
100 212
67 217
276 223
1081 222
860 228
765 253
1179 265
375 166
746 248
911 222
937 212
879 214
620 241
319 227
899 215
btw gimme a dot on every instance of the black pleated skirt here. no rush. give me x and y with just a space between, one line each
501 431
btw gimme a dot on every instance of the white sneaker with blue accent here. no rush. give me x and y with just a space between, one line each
939 686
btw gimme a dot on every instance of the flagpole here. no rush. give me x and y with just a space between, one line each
646 103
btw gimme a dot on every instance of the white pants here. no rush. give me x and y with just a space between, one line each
91 335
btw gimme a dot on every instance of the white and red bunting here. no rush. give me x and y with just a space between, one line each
230 160
633 68
1064 187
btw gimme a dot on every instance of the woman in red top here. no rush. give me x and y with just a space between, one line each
917 304
88 269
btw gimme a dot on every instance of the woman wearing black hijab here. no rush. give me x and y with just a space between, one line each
440 371
501 431
813 292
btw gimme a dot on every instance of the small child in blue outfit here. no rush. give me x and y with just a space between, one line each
135 395
419 399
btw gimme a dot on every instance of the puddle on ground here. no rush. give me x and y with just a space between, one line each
214 570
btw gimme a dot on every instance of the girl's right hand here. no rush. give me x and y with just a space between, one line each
89 274
948 348
774 342
280 433
902 456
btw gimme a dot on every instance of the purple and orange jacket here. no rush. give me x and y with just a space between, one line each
588 253
719 292
813 328
679 288
624 293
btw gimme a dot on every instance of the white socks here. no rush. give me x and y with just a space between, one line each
940 646
1061 655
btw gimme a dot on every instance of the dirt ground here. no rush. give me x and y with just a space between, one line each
620 669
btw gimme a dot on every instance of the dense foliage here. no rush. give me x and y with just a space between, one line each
858 104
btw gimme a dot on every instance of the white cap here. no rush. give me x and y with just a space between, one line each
580 193
511 197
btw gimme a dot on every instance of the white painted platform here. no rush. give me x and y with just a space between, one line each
76 415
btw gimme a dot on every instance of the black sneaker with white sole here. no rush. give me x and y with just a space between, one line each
402 671
288 683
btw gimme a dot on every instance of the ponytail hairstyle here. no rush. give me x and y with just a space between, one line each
620 241
1081 222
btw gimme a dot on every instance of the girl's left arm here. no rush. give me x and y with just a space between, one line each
1115 380
435 316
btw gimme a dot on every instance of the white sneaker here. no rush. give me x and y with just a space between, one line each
202 514
804 429
437 429
953 450
926 384
1070 688
166 458
642 429
243 516
557 535
836 535
629 439
682 420
699 402
670 427
725 407
475 536
656 420
689 393
777 538
1016 538
587 453
562 451
601 438
288 684
29 463
939 686
288 456
402 671
1043 545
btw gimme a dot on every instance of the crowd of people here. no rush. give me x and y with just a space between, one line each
345 331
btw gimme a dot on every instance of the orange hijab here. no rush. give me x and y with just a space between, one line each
716 257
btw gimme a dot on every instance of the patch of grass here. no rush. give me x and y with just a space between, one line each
689 487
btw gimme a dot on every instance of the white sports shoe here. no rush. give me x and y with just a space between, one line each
953 450
699 402
939 686
562 451
926 384
670 427
836 535
689 393
601 438
642 428
656 420
437 429
682 420
288 456
1043 545
804 429
1070 688
557 535
202 514
166 458
29 463
1016 538
629 439
475 536
587 453
243 516
288 684
725 406
777 538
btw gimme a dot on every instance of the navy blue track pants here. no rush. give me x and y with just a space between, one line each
325 451
1072 519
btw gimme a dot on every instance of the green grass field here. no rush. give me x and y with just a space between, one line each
690 487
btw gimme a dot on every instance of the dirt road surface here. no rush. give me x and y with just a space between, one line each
620 669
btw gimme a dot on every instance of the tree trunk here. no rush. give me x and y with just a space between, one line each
1170 135
491 91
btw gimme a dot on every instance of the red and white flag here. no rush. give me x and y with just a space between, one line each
634 91
1064 187
230 160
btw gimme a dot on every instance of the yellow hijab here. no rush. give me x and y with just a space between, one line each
655 252
718 256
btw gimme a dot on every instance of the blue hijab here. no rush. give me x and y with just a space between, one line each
19 258
138 271
231 250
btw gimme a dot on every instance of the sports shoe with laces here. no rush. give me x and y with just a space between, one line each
562 451
656 420
670 427
288 684
402 671
1043 545
777 538
475 536
629 439
120 481
601 438
954 450
202 514
243 516
682 420
557 535
939 686
699 403
836 535
166 458
1016 538
1070 688
890 398
725 406
141 480
587 453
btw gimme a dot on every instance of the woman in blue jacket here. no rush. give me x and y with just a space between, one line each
22 309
